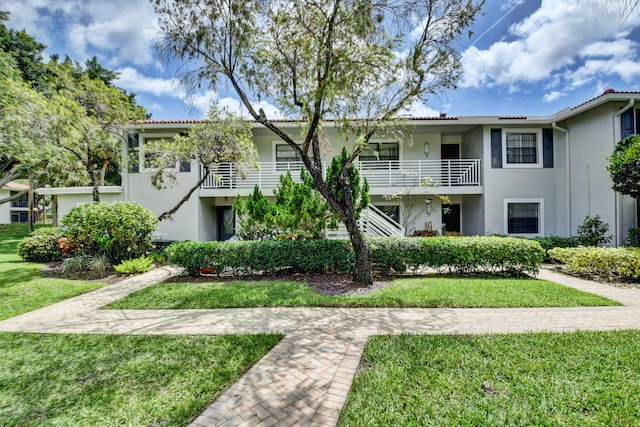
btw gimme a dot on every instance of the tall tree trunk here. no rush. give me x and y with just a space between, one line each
92 174
103 170
54 210
362 275
30 203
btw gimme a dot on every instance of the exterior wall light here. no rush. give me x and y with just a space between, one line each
426 149
428 202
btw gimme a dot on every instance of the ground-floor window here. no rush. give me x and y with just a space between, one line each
524 217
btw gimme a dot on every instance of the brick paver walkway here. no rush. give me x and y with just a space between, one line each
305 379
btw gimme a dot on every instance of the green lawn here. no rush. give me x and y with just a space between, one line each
22 287
572 379
99 380
411 292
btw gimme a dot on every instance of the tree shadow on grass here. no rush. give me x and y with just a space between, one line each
14 276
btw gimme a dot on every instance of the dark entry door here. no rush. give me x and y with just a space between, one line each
451 217
226 222
448 152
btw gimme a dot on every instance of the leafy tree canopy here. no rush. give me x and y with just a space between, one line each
624 166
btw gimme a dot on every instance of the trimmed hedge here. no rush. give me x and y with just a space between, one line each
458 254
268 256
607 263
508 255
41 246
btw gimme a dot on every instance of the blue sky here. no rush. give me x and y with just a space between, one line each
525 57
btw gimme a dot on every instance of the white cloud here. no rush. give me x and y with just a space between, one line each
132 80
554 39
552 96
418 109
117 31
234 106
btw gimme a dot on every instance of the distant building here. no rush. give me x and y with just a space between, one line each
513 175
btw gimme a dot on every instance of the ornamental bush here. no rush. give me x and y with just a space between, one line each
268 256
461 254
41 246
117 230
551 242
607 263
456 254
633 239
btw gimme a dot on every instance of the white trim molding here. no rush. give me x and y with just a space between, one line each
537 132
539 202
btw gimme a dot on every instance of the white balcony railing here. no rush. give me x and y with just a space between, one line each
395 173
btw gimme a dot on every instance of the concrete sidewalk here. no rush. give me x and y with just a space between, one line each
305 379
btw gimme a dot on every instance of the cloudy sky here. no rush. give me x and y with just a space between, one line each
525 57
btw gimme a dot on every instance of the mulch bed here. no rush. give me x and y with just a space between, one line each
330 284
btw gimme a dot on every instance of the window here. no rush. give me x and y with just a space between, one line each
522 148
286 154
380 151
21 202
149 156
287 158
524 217
19 217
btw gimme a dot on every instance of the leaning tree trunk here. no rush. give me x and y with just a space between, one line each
362 275
186 198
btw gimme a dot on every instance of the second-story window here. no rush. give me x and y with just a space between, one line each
380 151
149 156
286 154
522 148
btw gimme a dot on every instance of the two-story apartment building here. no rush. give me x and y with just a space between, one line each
515 175
17 210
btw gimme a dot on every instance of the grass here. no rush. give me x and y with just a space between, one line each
97 380
22 287
583 378
100 380
411 292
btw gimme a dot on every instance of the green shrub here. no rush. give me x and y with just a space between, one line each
268 256
593 231
457 254
633 239
607 263
551 242
117 230
134 266
87 267
41 246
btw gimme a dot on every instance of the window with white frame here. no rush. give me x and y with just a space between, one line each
522 148
524 216
286 154
380 151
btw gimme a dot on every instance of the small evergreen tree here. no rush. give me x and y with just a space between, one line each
593 231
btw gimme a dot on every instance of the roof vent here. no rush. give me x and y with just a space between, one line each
608 91
443 115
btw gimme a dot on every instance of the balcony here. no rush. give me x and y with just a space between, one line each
449 176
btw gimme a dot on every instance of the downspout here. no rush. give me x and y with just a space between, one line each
617 136
568 173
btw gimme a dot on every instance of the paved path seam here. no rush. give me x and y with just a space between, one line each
305 379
